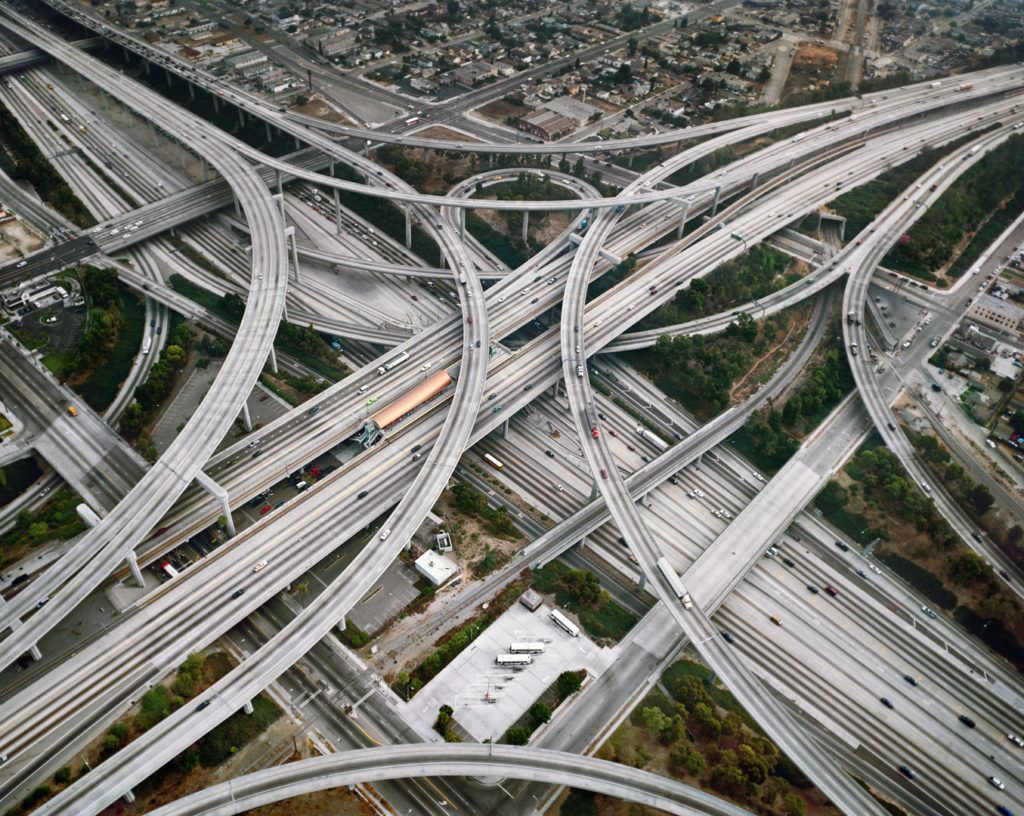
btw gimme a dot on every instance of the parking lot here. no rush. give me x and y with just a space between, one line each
487 698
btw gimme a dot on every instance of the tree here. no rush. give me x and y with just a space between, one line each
517 735
301 589
579 803
568 683
706 720
688 760
655 719
444 719
540 713
175 355
793 804
730 780
63 776
967 568
981 498
37 529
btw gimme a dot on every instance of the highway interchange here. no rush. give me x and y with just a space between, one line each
294 540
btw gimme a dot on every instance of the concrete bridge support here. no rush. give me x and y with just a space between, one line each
289 234
133 566
221 495
714 203
526 224
408 226
682 219
246 419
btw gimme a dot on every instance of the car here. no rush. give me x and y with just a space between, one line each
728 638
416 456
202 705
264 509
1000 809
909 774
257 454
363 389
238 593
789 562
842 545
700 493
551 280
862 574
560 488
259 565
967 721
929 612
691 494
890 426
363 494
415 448
312 410
831 590
492 396
496 408
812 589
21 264
425 366
996 783
604 473
525 291
385 533
1015 740
757 476
550 453
874 569
910 679
886 702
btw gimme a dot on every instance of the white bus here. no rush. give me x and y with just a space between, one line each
412 120
513 660
390 364
169 570
494 463
562 622
674 582
527 647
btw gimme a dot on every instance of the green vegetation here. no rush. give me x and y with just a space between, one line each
505 247
56 520
565 685
580 590
976 499
160 383
612 277
443 724
22 160
16 477
753 275
860 205
452 643
303 343
104 381
237 730
924 581
993 185
474 503
700 370
832 501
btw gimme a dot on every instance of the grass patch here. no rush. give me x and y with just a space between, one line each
580 591
103 383
240 728
56 520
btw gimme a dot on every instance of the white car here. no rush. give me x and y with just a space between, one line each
929 611
700 494
259 565
363 389
425 366
691 494
21 264
525 291
996 783
1015 740
502 298
385 533
757 476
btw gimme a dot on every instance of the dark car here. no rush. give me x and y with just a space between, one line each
238 593
362 494
19 579
886 702
313 410
202 705
550 453
604 473
843 546
909 679
812 589
673 480
967 721
909 774
728 638
789 562
257 454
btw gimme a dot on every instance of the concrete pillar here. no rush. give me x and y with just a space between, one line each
298 144
181 155
714 204
192 92
133 565
593 490
266 129
642 582
128 797
462 224
246 419
238 208
290 233
631 155
504 429
342 623
337 212
408 226
273 360
526 224
754 180
247 708
206 168
280 188
36 654
682 220
170 79
241 118
152 132
280 202
219 493
216 103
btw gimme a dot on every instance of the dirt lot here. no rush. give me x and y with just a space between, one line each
321 110
781 348
813 65
499 110
17 239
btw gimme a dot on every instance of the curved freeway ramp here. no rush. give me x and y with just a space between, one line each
408 761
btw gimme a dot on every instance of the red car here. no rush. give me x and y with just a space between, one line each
604 473
264 509
594 432
831 590
612 432
314 472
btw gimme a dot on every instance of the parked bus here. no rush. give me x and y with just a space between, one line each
527 647
562 622
513 660
167 568
675 582
494 463
394 361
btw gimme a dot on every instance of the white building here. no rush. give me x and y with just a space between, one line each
436 568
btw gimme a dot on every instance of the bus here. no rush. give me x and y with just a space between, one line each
527 647
513 660
394 361
169 570
674 582
412 120
146 345
494 463
562 622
